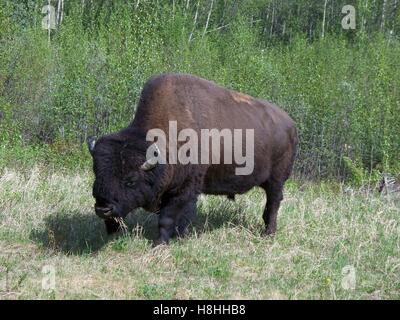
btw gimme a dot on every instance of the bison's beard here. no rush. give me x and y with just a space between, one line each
148 201
153 207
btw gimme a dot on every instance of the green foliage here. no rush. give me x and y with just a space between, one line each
356 172
61 155
342 90
120 244
358 175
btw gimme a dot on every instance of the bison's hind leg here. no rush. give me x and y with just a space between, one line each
274 186
274 191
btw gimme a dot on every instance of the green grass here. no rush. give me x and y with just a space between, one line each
46 219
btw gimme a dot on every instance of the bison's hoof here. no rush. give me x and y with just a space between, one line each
268 233
159 242
182 232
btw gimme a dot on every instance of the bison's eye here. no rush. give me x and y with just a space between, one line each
130 184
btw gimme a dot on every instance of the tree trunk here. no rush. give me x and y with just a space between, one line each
323 20
62 11
58 12
395 8
49 21
195 21
272 20
383 15
208 18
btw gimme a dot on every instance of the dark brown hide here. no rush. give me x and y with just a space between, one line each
199 104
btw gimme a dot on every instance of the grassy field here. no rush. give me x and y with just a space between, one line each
325 235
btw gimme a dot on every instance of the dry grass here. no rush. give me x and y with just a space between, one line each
46 219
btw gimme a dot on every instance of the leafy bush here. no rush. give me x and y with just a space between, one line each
342 90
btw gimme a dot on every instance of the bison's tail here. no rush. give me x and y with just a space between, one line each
294 142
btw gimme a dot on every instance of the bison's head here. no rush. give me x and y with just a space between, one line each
124 180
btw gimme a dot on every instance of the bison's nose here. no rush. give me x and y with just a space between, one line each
103 212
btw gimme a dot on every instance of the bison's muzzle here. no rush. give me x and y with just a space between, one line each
105 212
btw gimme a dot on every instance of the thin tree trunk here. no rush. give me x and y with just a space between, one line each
195 21
396 3
324 19
272 20
364 18
266 20
208 18
62 11
58 12
49 20
187 8
36 10
383 15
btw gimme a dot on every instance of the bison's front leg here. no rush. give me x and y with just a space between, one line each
112 225
188 215
175 218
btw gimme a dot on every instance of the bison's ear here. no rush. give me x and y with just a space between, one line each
91 142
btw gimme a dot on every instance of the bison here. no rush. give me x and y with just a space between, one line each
126 178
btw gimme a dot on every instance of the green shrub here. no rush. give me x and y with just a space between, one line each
342 91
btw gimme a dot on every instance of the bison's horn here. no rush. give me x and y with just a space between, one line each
152 162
